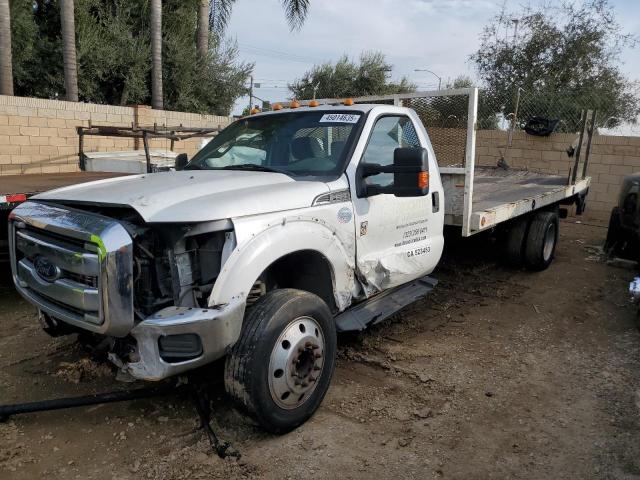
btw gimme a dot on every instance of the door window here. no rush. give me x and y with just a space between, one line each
388 134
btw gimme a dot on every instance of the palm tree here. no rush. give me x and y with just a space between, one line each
202 35
6 68
156 54
220 13
69 50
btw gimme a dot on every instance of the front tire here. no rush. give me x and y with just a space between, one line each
280 369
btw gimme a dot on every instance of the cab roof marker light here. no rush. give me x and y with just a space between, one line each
294 104
314 103
277 107
348 102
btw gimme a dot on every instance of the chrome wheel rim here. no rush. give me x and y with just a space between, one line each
296 363
549 241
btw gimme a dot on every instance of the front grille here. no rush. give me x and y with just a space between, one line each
76 266
88 280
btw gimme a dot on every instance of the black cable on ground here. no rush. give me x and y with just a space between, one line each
202 404
198 395
7 411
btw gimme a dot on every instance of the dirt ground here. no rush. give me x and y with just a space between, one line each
498 374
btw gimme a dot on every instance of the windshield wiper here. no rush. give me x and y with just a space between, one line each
252 166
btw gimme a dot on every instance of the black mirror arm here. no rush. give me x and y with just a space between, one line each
369 169
371 190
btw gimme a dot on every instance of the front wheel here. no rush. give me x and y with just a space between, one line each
280 369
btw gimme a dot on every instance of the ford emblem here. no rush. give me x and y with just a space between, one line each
46 270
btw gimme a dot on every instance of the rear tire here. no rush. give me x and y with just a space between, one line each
281 367
515 242
541 241
614 232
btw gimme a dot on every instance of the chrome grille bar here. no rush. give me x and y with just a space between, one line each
83 250
64 256
65 291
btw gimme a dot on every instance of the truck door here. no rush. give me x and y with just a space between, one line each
397 239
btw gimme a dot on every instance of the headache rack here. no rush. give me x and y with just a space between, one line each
146 133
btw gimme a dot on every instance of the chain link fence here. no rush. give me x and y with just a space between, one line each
515 109
445 114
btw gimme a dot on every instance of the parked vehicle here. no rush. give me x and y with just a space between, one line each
288 227
623 235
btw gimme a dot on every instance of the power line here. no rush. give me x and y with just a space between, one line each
268 52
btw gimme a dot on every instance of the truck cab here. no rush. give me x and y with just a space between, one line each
287 227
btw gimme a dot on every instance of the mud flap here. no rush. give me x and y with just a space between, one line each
382 306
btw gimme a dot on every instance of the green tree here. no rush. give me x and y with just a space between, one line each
295 12
346 78
563 58
37 49
113 44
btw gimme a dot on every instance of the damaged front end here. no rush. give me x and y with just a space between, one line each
143 288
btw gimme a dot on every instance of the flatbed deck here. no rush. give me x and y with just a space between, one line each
501 194
15 189
36 183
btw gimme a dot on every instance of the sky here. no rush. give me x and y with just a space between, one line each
438 35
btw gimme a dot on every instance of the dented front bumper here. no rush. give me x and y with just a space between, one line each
217 329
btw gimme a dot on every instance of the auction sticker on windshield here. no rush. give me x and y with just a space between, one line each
340 118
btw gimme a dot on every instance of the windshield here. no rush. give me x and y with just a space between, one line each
309 143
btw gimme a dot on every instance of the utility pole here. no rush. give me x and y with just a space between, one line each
251 93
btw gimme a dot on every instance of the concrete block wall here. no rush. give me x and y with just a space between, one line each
39 136
611 158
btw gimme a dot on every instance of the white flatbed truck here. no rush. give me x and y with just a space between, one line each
288 227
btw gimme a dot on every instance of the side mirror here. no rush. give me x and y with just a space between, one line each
410 174
181 161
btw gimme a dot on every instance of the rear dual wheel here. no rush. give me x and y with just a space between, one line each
531 240
542 238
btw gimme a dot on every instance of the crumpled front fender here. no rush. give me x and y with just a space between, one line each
279 235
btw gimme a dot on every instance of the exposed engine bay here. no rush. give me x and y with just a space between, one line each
174 264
